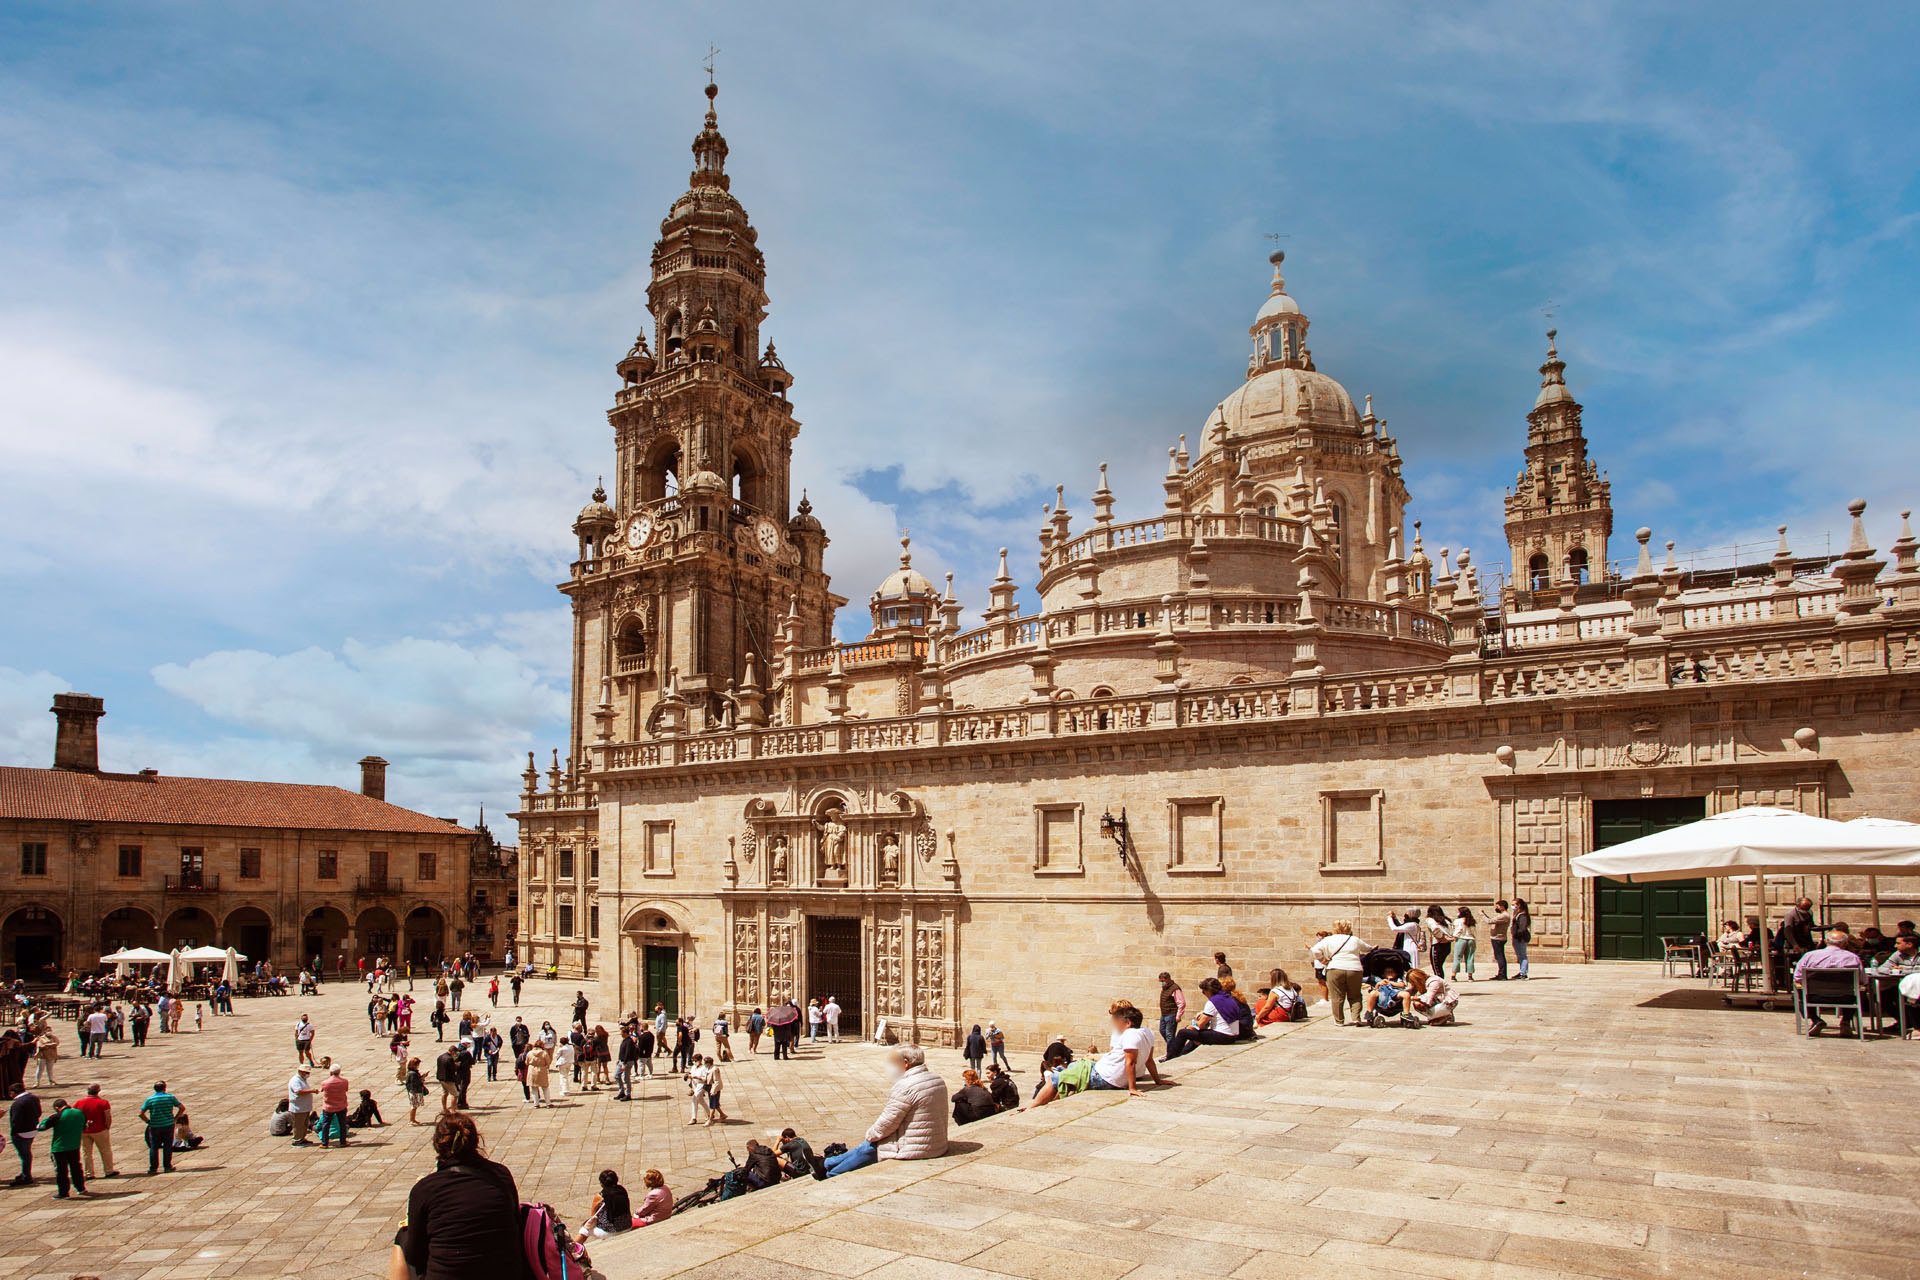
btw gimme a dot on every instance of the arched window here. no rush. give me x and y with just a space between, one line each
1267 503
1539 574
746 480
630 639
660 473
1577 566
740 342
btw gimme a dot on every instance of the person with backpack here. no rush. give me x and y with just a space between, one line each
1339 953
1520 933
463 1219
1280 1002
997 1045
756 1027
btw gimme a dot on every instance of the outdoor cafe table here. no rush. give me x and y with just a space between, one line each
1883 994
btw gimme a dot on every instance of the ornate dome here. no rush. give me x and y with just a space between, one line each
703 482
1272 401
803 517
906 581
596 513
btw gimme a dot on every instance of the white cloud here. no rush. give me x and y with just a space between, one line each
26 730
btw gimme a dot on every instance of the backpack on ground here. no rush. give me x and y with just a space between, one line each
1298 1013
834 1149
550 1251
734 1183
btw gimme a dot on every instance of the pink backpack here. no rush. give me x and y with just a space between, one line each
551 1253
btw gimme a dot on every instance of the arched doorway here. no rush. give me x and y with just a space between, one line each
426 935
187 927
378 933
249 930
659 945
32 944
128 927
323 934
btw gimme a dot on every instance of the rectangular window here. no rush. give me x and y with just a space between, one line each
1352 831
193 868
129 859
593 864
376 869
479 897
566 865
249 864
1056 840
513 897
1193 834
33 858
566 919
329 868
658 848
593 920
429 865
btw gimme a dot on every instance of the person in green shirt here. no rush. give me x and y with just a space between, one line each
67 1123
158 1111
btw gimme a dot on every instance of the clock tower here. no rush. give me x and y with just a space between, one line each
700 559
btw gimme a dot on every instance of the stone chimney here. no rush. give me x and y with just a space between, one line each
76 743
373 777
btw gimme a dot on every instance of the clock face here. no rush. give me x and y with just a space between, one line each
769 535
639 531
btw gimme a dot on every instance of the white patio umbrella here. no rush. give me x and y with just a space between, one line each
120 963
174 962
231 974
204 955
1760 842
141 955
1873 882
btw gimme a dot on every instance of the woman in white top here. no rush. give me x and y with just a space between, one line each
562 1068
1406 934
1339 954
697 1093
1464 944
1439 931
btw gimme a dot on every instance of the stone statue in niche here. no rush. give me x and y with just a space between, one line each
889 858
777 859
833 846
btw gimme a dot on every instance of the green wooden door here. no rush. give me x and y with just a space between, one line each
663 979
1630 919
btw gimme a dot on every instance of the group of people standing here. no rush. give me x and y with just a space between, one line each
1451 943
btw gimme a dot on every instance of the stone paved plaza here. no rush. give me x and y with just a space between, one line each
249 1205
1586 1123
1590 1122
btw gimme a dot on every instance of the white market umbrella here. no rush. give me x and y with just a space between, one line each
1873 882
231 974
173 970
205 955
120 963
1761 842
140 955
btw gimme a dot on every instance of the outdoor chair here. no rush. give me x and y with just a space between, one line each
1841 989
1675 949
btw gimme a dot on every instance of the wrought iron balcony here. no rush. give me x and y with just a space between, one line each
190 884
375 886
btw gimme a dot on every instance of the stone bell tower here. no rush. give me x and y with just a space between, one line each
700 558
1560 509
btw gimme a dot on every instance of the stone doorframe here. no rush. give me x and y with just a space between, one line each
1545 819
909 955
652 922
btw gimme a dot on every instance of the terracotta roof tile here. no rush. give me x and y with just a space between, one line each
63 795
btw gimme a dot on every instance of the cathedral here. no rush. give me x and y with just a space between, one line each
1264 706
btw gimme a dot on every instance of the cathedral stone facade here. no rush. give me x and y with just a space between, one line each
1264 706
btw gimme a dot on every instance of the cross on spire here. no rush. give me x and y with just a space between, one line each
712 52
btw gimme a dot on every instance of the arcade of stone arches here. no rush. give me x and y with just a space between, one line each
36 939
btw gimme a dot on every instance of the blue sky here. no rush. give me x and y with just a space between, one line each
308 316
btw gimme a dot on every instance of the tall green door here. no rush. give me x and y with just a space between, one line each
1630 919
663 979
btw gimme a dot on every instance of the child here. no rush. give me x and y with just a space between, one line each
1385 1000
416 1090
199 1018
1320 973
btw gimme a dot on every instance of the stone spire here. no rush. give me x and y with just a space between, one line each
710 148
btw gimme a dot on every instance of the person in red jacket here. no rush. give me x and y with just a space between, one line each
99 1114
